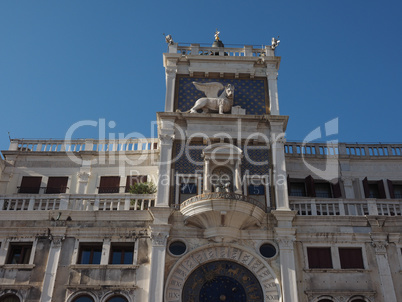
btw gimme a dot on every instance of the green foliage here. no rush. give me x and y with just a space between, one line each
143 188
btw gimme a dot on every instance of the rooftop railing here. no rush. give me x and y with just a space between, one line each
73 202
26 145
342 150
246 51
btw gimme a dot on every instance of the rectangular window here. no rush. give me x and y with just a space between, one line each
30 184
109 184
19 253
319 257
323 190
90 253
135 179
121 253
398 191
351 258
297 189
56 185
373 189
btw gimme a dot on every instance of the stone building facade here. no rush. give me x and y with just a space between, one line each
239 213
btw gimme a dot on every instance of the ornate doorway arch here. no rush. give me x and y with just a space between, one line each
215 273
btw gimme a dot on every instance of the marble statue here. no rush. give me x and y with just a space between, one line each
222 103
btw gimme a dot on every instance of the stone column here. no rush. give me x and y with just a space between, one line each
279 170
170 85
379 242
238 177
272 76
285 235
51 269
159 235
207 175
162 199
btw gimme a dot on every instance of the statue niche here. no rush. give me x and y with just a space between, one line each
222 103
222 179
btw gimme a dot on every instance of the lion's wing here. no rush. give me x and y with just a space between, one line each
211 90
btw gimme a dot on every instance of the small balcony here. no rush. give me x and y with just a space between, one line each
223 214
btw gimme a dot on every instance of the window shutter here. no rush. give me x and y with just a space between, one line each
366 188
336 190
109 184
391 188
310 186
319 257
56 185
30 184
351 258
381 189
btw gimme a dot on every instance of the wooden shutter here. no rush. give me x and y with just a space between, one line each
310 186
30 184
135 179
336 190
351 258
366 188
381 189
109 184
391 188
319 257
56 185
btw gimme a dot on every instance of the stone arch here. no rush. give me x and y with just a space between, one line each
82 293
234 253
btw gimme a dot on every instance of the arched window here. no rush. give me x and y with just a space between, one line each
9 298
357 300
84 298
117 299
325 300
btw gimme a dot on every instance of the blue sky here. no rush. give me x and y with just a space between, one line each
66 61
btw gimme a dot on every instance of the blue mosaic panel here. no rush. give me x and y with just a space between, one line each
190 160
255 160
249 93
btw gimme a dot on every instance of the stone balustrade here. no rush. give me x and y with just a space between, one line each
74 202
246 51
342 150
118 145
345 207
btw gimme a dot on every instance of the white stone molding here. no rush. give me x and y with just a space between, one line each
166 139
236 253
83 176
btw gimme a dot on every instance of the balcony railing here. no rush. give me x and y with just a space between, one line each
118 145
73 202
345 207
223 195
246 51
343 150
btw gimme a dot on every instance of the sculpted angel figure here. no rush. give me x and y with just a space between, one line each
222 103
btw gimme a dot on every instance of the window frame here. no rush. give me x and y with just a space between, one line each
91 245
322 248
336 262
66 187
38 190
126 246
7 245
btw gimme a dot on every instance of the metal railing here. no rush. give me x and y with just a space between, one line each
222 195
